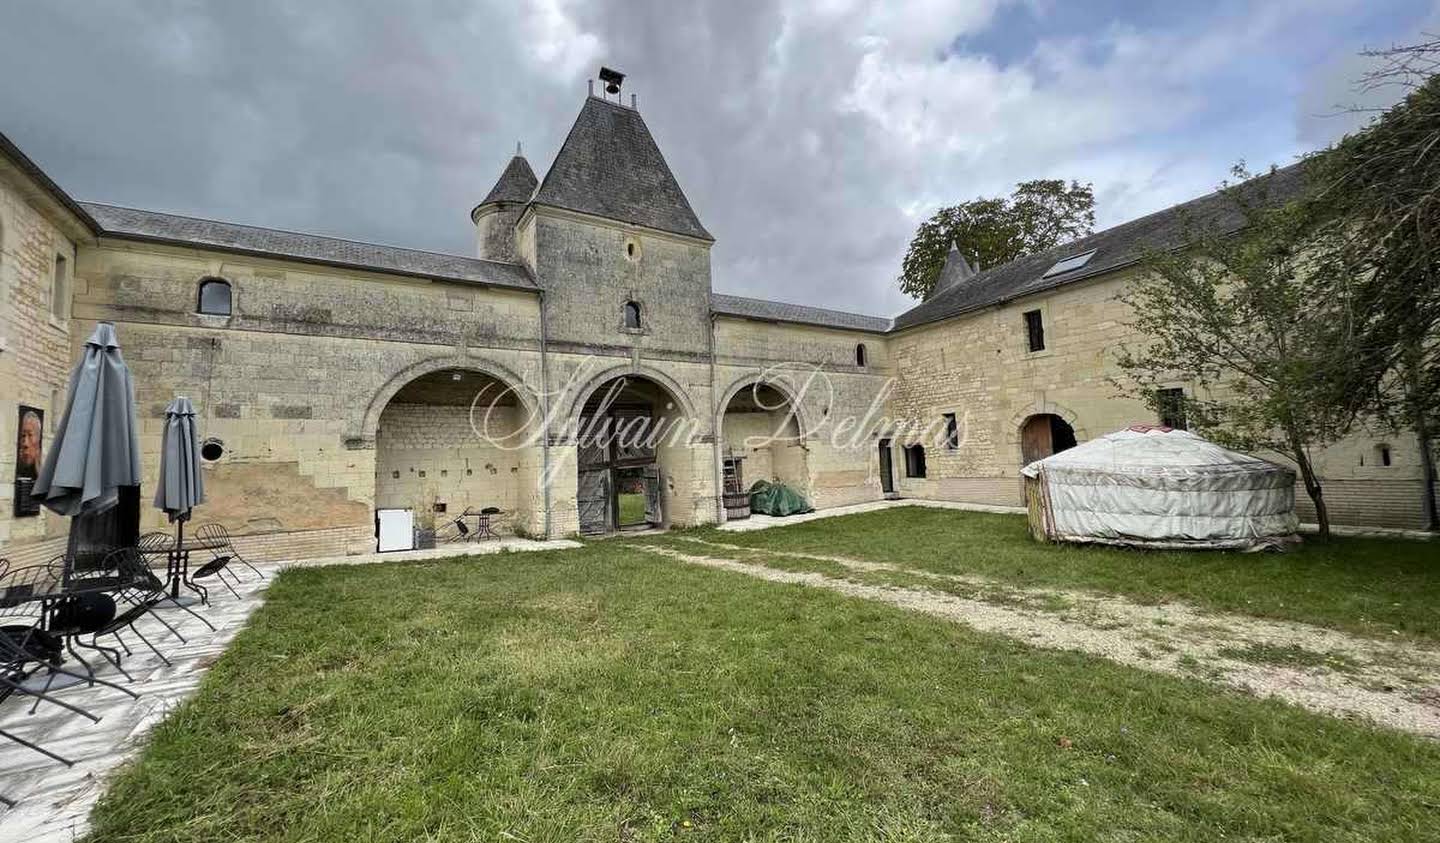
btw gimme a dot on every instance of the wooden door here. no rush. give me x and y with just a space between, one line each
594 500
887 478
1035 439
652 495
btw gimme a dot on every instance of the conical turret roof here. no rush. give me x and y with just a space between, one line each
516 183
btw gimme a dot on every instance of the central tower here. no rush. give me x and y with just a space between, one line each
610 237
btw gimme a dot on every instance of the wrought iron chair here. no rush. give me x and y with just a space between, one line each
140 590
217 534
83 605
26 647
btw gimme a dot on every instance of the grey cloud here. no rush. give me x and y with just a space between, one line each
387 122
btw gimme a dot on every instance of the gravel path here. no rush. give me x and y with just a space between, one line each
1395 684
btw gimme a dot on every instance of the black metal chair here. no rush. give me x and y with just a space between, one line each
217 534
157 544
26 647
138 591
83 605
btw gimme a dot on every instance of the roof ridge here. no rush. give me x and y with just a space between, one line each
798 304
1092 241
287 231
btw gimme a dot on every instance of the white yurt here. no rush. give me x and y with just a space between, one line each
1150 486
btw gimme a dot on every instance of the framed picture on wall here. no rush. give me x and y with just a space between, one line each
28 455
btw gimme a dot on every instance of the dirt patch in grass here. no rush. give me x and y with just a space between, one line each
1390 683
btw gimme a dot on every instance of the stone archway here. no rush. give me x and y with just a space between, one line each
1044 434
370 420
760 435
456 439
634 442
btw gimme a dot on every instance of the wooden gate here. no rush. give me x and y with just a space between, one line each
653 513
593 493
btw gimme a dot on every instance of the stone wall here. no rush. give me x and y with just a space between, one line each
35 341
978 367
428 454
295 381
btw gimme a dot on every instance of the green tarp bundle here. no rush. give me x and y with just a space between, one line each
768 498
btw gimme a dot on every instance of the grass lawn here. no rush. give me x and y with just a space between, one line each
632 508
1370 586
603 694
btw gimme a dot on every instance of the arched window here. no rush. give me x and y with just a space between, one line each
860 354
632 316
214 297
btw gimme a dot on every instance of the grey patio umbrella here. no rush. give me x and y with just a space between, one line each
97 446
179 488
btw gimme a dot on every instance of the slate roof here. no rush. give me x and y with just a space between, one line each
609 166
774 311
155 227
1115 248
516 183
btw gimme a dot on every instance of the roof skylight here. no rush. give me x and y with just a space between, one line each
1069 264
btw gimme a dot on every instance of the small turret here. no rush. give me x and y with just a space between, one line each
956 271
495 217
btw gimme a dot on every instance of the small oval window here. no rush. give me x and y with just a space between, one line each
215 297
860 354
632 315
212 449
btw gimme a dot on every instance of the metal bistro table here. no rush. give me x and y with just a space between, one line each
177 565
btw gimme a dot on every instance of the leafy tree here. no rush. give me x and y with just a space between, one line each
989 232
1259 322
1377 194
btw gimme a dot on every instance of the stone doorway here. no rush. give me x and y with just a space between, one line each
623 433
1042 435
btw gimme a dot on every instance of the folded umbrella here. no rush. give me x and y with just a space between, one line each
96 448
179 488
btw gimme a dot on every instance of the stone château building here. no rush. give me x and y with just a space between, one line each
334 378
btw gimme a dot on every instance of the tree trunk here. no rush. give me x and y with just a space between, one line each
1312 485
1422 433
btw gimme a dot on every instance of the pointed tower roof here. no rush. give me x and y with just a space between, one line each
956 271
610 166
516 183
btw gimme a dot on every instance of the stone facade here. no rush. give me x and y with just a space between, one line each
335 388
38 238
978 367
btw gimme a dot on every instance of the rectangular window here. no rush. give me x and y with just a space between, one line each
914 460
1171 403
60 288
952 432
1034 331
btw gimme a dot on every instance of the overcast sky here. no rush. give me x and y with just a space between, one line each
810 135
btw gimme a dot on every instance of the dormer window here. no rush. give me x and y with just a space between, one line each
632 316
214 297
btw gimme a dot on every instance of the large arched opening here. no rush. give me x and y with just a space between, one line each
1044 434
632 436
455 441
761 439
